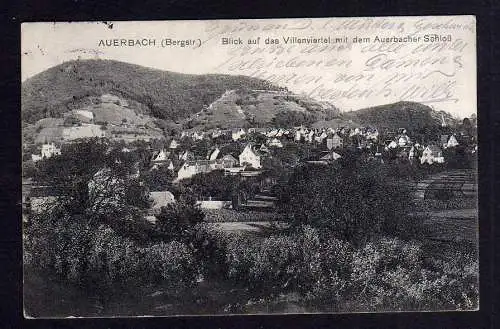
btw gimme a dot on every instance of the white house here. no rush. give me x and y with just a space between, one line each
392 145
237 134
191 168
325 158
162 159
250 156
187 155
432 154
403 140
274 142
263 148
452 142
331 156
173 144
161 156
49 150
198 136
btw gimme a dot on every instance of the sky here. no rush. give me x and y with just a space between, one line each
350 62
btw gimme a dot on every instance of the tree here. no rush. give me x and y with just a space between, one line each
159 179
93 179
177 221
213 184
352 202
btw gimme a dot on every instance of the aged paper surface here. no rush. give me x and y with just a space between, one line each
180 149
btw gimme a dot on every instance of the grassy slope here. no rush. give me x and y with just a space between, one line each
244 107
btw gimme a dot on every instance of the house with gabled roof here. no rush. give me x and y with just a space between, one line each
251 156
324 158
237 134
173 144
432 154
452 142
263 148
161 159
193 167
334 142
274 142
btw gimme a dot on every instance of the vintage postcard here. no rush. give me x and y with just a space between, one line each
258 166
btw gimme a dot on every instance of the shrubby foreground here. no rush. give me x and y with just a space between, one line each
350 244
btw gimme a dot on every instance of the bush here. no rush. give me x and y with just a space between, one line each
298 262
392 275
387 274
99 257
177 220
171 263
353 202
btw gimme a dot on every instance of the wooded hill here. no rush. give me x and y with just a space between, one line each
201 101
161 94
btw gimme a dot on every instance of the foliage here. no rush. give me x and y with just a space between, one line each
213 184
164 95
28 168
158 179
177 220
415 117
293 119
97 256
386 274
350 200
285 262
93 178
390 274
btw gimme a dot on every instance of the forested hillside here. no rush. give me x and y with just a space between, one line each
161 94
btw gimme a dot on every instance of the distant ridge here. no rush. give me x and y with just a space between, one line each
201 101
409 115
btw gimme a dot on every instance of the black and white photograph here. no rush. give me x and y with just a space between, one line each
250 166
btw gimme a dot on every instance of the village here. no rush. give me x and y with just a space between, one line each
249 152
239 182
